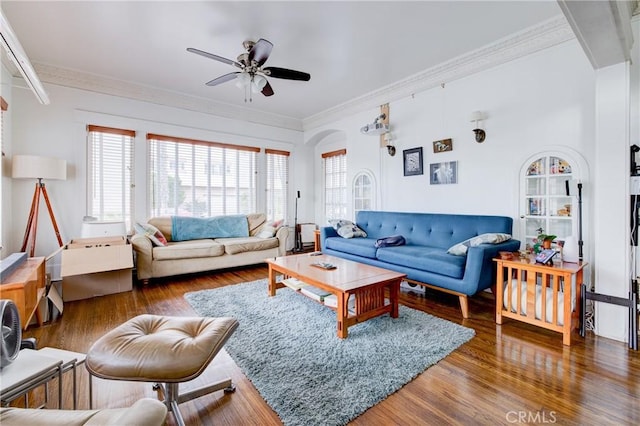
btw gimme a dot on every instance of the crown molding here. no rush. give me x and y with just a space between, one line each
105 85
547 34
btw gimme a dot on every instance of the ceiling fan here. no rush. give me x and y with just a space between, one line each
252 74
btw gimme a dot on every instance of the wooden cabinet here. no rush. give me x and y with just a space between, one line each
25 287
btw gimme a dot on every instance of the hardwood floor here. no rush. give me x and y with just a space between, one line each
509 374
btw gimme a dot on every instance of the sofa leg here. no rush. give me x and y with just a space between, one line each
144 281
464 306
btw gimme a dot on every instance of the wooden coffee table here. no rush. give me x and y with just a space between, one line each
366 283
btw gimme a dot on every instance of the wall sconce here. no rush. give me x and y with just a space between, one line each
388 139
477 116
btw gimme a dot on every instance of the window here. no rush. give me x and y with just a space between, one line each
277 184
335 184
188 177
110 174
363 192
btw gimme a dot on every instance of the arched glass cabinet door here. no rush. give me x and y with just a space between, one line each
545 203
363 191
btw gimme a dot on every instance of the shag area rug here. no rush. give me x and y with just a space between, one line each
288 347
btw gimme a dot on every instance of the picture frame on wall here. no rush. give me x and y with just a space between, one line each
412 160
443 173
443 145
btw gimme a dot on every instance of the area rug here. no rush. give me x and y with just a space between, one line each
287 346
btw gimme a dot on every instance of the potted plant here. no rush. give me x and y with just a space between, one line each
543 240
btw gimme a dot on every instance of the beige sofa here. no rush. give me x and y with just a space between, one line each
185 257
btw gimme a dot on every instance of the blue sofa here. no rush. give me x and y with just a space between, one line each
424 257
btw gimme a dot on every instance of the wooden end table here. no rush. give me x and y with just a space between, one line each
367 283
549 281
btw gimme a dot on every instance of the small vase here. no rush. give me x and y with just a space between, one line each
546 244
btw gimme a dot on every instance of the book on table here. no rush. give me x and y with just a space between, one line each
332 301
294 283
314 293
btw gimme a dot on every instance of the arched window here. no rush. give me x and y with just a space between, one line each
363 191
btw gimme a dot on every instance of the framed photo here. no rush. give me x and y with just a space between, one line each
412 161
443 173
443 145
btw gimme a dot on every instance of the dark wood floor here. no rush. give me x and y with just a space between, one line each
509 374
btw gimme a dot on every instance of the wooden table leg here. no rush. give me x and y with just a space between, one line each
499 292
272 281
394 289
341 314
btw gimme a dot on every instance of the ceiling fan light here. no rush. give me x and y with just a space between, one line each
243 80
258 83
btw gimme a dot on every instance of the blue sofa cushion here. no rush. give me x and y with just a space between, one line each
364 247
425 258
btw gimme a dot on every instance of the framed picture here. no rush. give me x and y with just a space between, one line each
443 173
412 161
443 145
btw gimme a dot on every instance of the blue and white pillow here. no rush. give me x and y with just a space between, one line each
460 249
347 229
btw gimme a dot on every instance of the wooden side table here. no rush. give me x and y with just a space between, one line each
546 296
25 287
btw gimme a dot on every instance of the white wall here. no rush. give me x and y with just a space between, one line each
533 104
59 130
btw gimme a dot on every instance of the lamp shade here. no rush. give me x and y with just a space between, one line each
477 116
35 167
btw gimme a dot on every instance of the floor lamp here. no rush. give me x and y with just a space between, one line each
39 168
297 246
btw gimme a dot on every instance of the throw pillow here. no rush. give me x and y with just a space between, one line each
153 233
347 229
460 249
269 229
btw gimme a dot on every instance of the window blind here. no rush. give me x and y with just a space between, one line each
188 177
110 174
335 184
277 188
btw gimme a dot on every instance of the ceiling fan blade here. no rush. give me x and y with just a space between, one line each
222 79
286 74
214 57
267 90
260 51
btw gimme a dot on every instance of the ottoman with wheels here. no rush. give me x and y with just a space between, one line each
163 350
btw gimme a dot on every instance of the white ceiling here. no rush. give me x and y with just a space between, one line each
349 48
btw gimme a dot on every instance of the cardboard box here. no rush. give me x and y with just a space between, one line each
85 286
96 267
96 242
90 255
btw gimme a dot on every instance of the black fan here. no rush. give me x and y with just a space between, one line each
252 74
11 332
